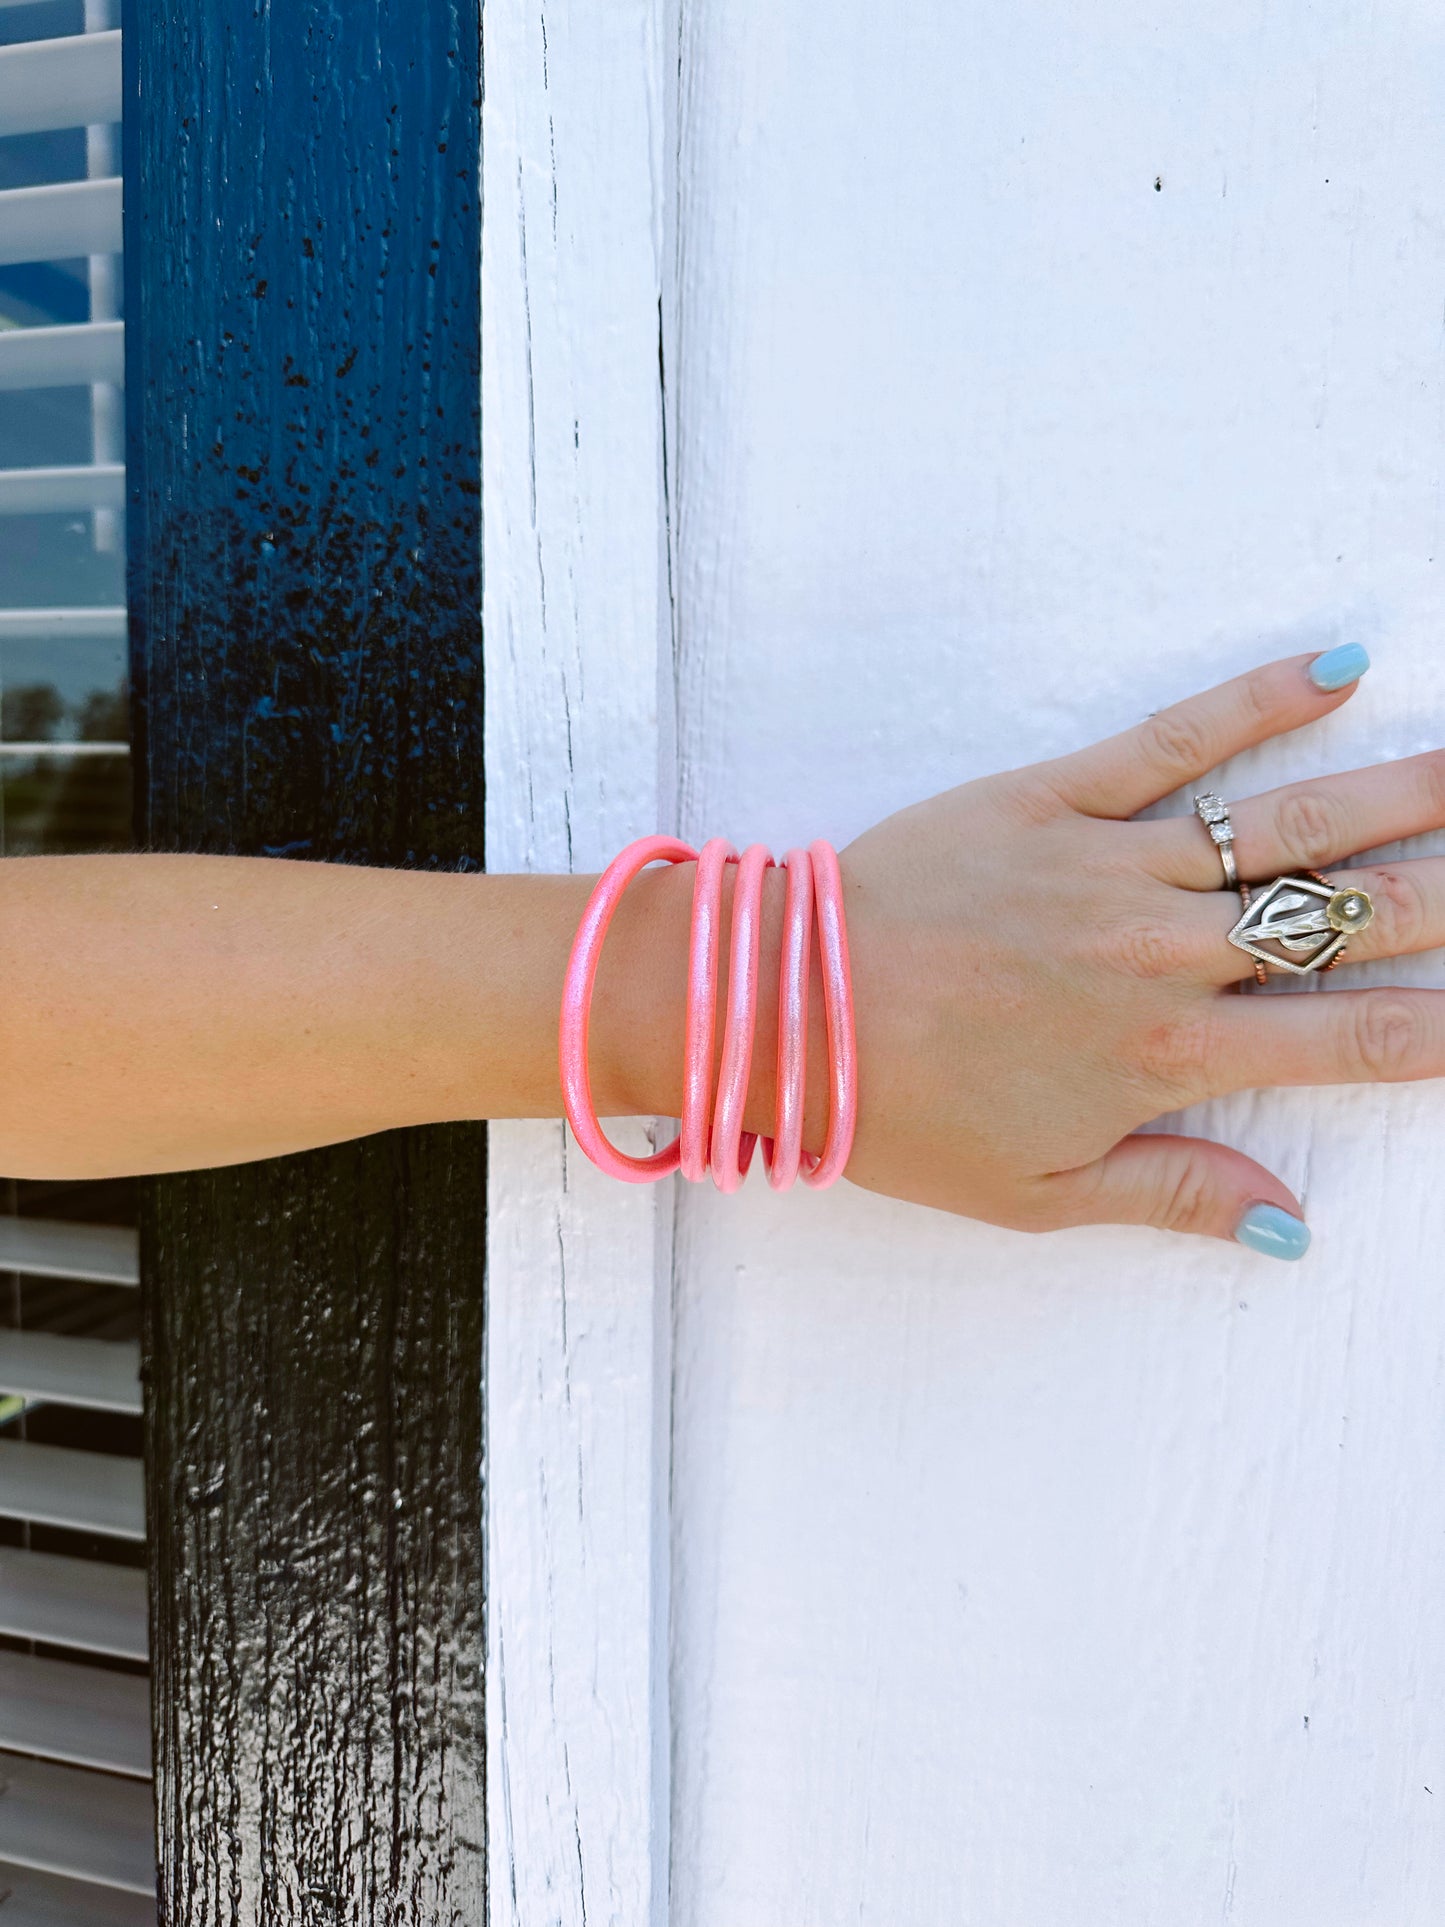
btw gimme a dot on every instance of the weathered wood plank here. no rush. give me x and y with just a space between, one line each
578 1303
302 380
1038 364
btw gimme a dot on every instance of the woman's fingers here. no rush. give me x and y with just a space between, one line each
1305 826
1125 773
1409 900
1340 1037
1181 1184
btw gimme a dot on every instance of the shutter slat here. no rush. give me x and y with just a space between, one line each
67 1821
40 1900
79 1714
100 1373
85 1491
62 357
73 1602
59 222
64 749
62 626
43 491
73 82
76 1840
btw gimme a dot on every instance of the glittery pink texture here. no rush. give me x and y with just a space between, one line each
719 1142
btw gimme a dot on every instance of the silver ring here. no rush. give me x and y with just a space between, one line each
1213 813
1306 917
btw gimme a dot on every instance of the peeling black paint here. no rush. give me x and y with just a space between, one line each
302 240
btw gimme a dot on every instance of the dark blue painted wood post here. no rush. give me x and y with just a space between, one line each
302 263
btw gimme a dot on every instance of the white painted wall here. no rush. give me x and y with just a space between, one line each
578 1307
1096 1578
1023 1583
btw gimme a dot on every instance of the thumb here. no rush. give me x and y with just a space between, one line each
1184 1184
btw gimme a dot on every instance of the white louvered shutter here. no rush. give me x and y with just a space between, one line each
76 1832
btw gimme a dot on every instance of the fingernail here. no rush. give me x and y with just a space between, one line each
1264 1227
1338 668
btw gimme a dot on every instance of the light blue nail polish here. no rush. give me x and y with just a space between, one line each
1338 668
1264 1227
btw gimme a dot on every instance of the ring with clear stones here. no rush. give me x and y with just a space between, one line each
1213 813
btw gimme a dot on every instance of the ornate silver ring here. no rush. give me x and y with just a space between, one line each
1300 923
1213 813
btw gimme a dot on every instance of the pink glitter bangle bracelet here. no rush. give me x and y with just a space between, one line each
712 1136
696 1139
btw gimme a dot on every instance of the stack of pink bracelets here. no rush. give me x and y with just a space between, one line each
712 1136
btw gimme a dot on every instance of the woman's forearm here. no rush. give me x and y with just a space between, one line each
172 1012
1038 972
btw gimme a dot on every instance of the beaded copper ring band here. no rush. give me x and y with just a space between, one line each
1304 913
1261 974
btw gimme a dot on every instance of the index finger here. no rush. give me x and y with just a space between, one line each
1127 772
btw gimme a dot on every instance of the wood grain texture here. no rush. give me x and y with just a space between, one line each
578 1308
303 386
1034 366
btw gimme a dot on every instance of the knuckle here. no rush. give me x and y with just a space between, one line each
1032 799
1384 1039
1259 697
1175 1056
1432 771
1177 741
1312 826
1024 1202
1151 949
1034 1211
1401 912
1186 1203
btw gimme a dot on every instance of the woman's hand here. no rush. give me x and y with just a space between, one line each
1036 976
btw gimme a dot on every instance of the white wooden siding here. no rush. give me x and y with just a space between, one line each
1026 368
578 1326
1090 1578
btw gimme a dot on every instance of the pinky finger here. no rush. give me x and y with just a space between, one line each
1334 1037
1182 1184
